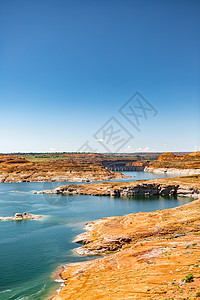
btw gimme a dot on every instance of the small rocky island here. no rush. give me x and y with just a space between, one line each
20 217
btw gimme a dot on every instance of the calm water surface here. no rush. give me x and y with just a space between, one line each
31 251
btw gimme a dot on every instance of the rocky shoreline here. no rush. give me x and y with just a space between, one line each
180 186
57 178
98 239
145 255
172 171
151 255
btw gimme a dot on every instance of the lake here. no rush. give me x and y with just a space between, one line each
31 251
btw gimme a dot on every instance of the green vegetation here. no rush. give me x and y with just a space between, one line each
188 278
197 294
40 157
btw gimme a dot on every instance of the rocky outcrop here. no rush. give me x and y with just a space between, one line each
112 233
20 217
153 255
166 156
169 186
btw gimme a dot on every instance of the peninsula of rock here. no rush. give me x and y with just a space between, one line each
153 255
183 186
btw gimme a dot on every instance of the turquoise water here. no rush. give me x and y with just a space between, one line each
31 251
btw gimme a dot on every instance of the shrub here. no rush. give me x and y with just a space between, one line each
197 294
189 278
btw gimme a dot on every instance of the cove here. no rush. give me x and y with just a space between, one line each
32 250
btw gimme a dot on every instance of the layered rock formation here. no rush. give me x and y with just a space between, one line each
168 160
171 164
16 169
188 186
149 256
172 171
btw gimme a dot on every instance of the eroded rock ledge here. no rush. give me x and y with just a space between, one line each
112 233
187 186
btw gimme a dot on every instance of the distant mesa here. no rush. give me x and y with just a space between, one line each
193 155
166 156
11 159
169 162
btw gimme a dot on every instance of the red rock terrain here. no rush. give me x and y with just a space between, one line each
16 169
148 256
186 185
170 160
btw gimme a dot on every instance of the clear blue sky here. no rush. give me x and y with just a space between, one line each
66 67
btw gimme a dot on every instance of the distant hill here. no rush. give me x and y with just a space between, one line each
171 160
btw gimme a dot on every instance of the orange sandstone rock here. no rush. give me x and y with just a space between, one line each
16 169
160 250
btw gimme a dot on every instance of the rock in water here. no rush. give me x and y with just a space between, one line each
19 217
